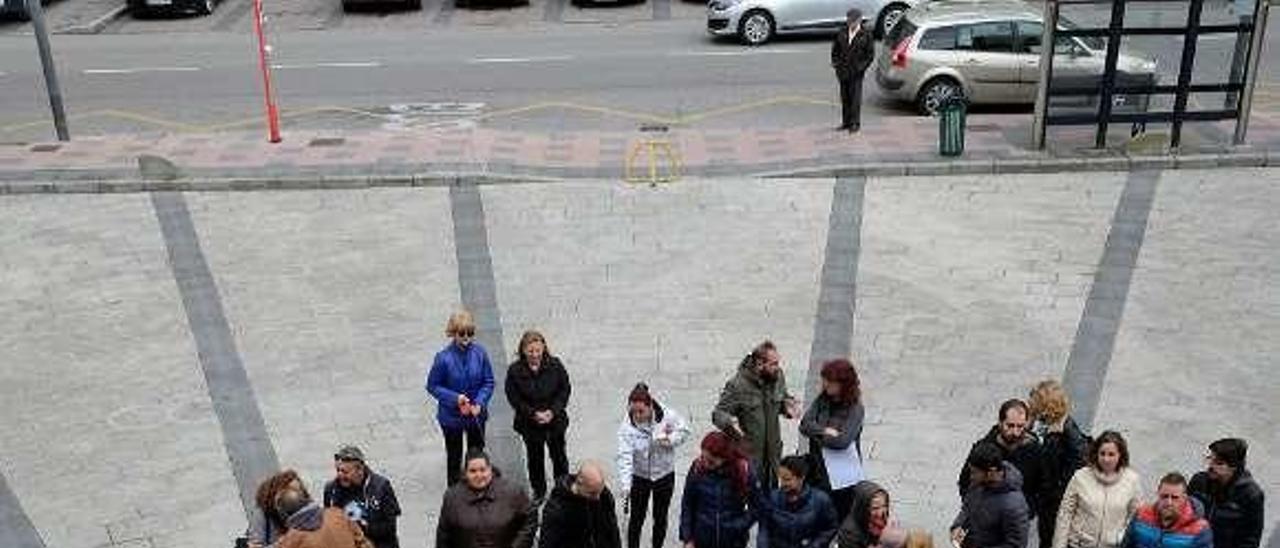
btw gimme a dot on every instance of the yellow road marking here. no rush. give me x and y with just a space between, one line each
794 100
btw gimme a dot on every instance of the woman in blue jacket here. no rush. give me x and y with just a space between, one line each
461 381
716 509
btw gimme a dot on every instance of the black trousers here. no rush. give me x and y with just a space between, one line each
639 500
453 448
851 102
536 444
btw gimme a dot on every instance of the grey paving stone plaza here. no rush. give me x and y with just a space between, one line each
161 350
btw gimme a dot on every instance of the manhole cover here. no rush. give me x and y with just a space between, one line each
45 148
326 142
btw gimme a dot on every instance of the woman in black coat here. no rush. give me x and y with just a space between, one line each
1062 451
538 389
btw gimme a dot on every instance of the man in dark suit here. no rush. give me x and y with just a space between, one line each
851 54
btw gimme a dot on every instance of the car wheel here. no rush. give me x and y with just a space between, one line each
414 4
755 28
937 92
889 17
205 7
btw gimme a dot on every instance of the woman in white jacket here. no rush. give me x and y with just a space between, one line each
1100 498
647 441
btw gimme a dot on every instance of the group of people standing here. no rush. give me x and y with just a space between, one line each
1035 464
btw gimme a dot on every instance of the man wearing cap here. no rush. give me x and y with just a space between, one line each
366 498
1233 501
851 54
994 514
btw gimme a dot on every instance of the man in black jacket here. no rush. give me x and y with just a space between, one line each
367 498
1233 501
994 514
1018 448
580 512
851 53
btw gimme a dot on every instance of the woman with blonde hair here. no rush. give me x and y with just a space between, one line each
1100 499
461 381
538 390
1062 450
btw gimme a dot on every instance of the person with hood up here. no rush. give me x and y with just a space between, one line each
795 515
716 509
1017 447
994 512
868 524
1062 451
580 512
461 381
647 442
1100 498
1233 501
485 511
834 421
750 405
311 526
538 390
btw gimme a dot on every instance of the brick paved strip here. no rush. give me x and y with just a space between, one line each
16 530
1095 338
480 296
833 323
244 434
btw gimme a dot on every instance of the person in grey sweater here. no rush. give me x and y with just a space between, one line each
834 421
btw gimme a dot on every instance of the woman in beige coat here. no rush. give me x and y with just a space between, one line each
1100 498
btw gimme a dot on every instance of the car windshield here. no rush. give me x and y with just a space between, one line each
1095 43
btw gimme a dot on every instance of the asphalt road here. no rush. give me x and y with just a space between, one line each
569 77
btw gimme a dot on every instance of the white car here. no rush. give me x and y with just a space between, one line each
758 21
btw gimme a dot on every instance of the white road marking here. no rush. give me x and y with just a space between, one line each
545 59
357 64
143 69
738 52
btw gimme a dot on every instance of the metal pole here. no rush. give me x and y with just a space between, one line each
1244 13
50 73
1039 125
1251 73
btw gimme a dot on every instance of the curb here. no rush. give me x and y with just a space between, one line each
95 26
124 181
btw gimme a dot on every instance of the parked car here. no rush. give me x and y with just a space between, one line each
16 9
148 7
758 21
351 5
989 52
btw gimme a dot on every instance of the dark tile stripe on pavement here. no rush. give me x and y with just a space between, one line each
16 530
1095 339
244 433
833 323
479 292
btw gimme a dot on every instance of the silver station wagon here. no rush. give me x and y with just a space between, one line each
758 21
988 52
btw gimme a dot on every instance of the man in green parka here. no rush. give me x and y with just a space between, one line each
749 406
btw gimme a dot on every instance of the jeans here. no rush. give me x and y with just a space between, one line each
536 442
638 499
453 448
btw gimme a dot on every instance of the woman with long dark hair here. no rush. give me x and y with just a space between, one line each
834 421
716 510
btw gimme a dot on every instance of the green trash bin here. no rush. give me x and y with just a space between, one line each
951 121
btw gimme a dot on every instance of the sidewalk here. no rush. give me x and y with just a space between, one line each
902 146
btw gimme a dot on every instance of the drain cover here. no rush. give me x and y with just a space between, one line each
45 148
326 142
